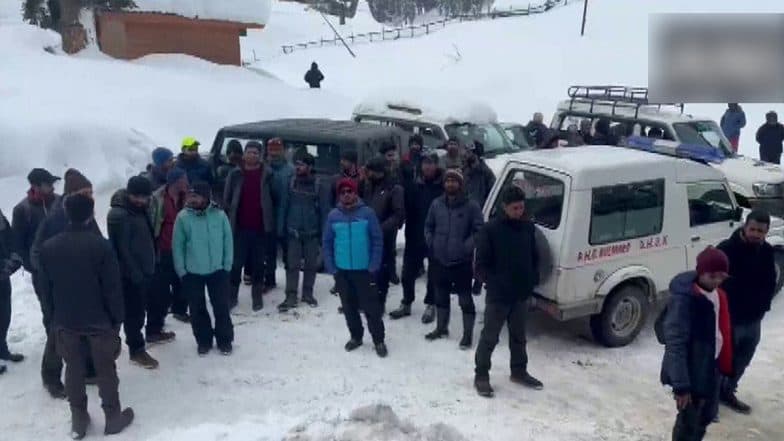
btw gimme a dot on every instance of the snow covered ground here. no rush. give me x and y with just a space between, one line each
289 377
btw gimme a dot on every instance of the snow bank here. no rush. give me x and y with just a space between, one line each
243 11
435 106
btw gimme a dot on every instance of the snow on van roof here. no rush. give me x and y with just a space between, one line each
241 11
425 105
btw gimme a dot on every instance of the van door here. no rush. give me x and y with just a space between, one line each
712 216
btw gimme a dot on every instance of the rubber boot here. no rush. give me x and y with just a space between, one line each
80 421
256 294
468 331
117 421
442 325
234 295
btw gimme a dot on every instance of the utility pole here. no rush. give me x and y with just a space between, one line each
585 13
338 35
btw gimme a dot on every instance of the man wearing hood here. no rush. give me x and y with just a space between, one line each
696 331
196 167
450 227
314 77
750 289
10 262
352 247
603 133
770 137
162 162
133 239
381 193
733 120
281 172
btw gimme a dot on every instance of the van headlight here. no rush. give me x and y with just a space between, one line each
767 190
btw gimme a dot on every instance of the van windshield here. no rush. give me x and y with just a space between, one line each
492 136
705 133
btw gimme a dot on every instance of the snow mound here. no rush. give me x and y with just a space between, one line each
442 107
26 38
243 11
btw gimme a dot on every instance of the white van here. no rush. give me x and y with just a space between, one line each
756 184
619 224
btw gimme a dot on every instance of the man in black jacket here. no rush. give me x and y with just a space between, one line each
31 211
536 129
381 193
314 77
82 292
419 195
131 234
507 261
750 290
10 262
770 137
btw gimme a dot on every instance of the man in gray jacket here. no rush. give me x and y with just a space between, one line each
450 227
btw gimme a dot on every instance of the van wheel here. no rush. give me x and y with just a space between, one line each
779 258
622 316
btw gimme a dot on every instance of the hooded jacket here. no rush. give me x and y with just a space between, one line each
26 218
314 77
689 364
387 199
450 229
132 237
304 210
352 240
419 198
752 282
232 196
53 225
732 121
478 181
770 138
203 243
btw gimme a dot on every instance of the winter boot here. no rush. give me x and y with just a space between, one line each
442 325
203 350
483 388
525 379
353 344
309 300
429 315
234 295
381 350
56 390
225 349
288 304
256 294
468 331
403 311
730 400
161 337
143 359
80 421
117 421
13 358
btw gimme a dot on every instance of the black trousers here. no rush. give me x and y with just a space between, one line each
217 285
272 243
357 292
5 312
413 261
454 278
249 246
103 347
692 422
497 315
773 157
165 293
384 274
136 305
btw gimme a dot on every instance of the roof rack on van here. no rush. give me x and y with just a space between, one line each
615 96
697 152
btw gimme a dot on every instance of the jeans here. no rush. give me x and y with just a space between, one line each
497 315
356 292
692 422
217 285
745 338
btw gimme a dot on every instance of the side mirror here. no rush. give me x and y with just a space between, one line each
738 214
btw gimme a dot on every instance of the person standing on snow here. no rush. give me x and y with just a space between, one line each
732 121
233 161
697 334
82 292
162 162
203 252
282 172
132 236
450 227
352 247
750 290
251 212
536 130
314 77
196 167
419 196
349 169
166 290
387 199
304 214
770 137
10 262
479 180
454 155
396 175
506 260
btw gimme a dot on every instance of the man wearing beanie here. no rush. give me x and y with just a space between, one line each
131 235
162 162
450 227
750 290
419 195
696 330
203 252
349 168
165 292
82 292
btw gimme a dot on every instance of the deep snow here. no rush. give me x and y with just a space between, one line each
243 11
289 377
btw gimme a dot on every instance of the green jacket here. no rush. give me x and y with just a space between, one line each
202 242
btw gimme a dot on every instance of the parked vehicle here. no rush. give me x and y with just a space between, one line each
517 134
756 184
619 224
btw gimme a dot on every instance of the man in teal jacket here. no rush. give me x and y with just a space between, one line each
203 252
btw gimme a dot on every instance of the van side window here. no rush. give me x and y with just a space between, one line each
626 211
327 156
544 196
709 203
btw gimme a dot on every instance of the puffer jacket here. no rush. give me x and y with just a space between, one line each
304 209
27 216
197 169
419 196
203 243
752 282
53 225
352 240
732 122
233 194
450 229
387 199
132 237
479 180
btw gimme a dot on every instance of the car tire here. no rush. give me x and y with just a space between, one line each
623 315
778 257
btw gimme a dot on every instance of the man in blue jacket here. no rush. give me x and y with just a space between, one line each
732 121
352 248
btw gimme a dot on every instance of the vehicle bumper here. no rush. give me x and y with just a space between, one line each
567 312
774 206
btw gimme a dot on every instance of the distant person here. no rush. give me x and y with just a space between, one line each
10 262
454 155
585 131
536 130
233 160
162 162
603 133
281 172
314 77
573 137
732 121
410 165
196 167
770 137
655 133
550 140
696 331
82 288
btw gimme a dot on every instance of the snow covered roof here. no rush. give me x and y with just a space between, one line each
241 11
427 106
